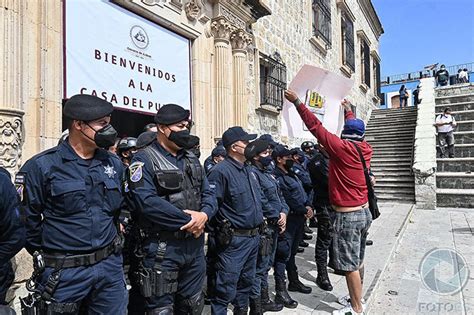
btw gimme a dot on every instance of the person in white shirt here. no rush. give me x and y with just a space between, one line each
463 76
446 123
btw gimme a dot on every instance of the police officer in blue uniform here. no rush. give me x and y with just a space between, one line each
236 225
218 154
72 197
12 233
275 210
318 168
173 201
300 210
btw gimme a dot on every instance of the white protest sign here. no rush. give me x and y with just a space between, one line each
331 86
119 56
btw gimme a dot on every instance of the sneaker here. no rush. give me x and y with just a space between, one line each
346 301
348 311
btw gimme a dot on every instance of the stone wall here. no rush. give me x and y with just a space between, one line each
288 31
424 166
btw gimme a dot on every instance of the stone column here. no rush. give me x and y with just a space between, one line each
221 30
240 40
11 83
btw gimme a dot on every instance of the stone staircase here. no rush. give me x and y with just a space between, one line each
455 176
391 132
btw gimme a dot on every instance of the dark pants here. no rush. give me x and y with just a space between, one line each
446 138
289 243
7 275
263 266
100 288
235 273
325 231
184 256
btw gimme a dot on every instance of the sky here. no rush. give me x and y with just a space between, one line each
424 32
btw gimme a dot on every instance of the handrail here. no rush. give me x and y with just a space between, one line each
425 73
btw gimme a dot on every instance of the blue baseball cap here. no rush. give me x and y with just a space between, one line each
234 134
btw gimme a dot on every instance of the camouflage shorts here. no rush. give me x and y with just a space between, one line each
348 242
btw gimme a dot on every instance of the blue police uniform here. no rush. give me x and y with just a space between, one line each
209 164
239 199
273 204
297 200
72 205
178 255
12 232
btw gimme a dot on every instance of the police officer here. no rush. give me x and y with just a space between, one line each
12 234
299 169
236 225
173 201
308 148
126 148
300 210
318 168
218 154
145 139
72 196
275 210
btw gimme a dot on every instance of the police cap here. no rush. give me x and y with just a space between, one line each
234 134
87 107
219 151
254 148
171 114
145 139
280 151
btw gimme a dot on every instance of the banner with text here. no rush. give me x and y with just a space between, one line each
123 58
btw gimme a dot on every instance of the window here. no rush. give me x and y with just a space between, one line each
348 58
272 80
365 62
322 20
377 77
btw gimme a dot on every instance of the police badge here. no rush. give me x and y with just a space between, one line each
135 171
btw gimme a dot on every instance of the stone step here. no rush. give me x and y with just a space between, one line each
463 137
404 109
462 150
391 120
376 169
391 159
393 150
407 187
456 165
383 197
395 190
454 180
388 174
382 136
395 178
456 106
388 128
453 99
462 115
402 141
464 125
390 132
455 198
398 157
401 146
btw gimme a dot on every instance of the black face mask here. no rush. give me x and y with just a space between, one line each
181 139
197 152
289 164
104 137
267 160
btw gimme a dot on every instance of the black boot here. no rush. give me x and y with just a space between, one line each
255 306
313 223
303 244
282 296
267 304
240 311
307 237
300 250
295 285
322 280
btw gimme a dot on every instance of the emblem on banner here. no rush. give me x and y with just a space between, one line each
139 37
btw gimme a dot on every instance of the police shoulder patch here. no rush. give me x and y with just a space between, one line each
20 184
135 171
